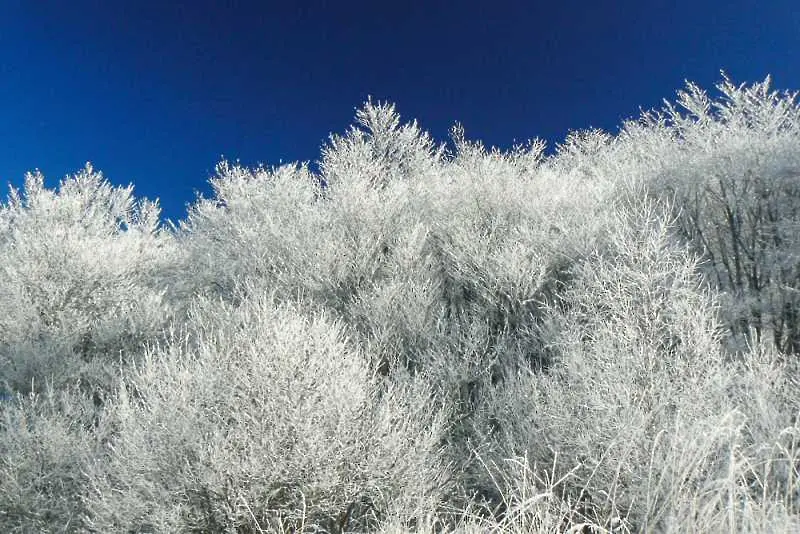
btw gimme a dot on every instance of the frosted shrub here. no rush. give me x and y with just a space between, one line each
80 289
378 151
270 229
47 441
371 174
641 414
634 343
267 420
262 228
733 170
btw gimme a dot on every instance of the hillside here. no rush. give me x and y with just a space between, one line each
420 337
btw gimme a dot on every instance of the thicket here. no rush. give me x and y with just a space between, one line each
420 338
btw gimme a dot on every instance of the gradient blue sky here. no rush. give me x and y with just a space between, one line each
154 93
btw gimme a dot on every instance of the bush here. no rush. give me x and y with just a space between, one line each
267 420
48 439
80 281
641 414
734 176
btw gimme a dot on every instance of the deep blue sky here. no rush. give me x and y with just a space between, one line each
154 93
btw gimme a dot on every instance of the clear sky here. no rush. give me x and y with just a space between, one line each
154 93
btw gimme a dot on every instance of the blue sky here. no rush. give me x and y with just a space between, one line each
154 93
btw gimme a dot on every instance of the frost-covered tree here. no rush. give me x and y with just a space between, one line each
733 169
79 280
380 149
